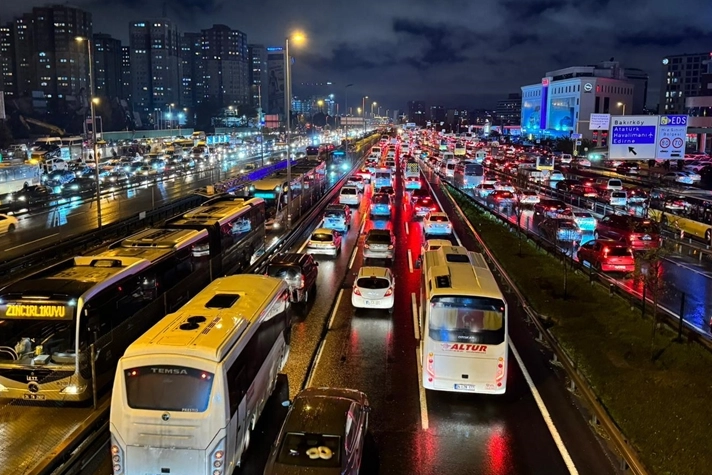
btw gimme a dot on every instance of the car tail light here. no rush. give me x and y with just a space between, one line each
389 292
631 237
356 291
390 246
301 282
366 246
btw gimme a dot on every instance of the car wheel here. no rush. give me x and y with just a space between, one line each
11 228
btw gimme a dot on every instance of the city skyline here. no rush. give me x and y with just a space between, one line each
400 56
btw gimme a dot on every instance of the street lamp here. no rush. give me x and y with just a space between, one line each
374 103
92 102
298 38
622 105
363 108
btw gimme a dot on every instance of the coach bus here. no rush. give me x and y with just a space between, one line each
463 315
189 392
236 229
49 319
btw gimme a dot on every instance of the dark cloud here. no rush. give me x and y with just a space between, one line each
443 43
668 38
531 9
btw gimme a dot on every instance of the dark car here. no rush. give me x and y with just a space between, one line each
627 168
560 230
299 271
639 233
34 195
417 194
79 187
324 433
500 198
58 177
567 185
548 208
115 178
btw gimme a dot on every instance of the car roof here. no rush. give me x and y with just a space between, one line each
323 231
379 231
288 258
318 414
438 213
373 271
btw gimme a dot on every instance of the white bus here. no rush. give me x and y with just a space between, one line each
189 391
463 315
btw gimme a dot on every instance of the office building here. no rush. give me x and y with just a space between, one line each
126 72
437 114
275 80
564 100
226 66
108 68
509 110
192 80
156 66
7 60
681 76
258 76
416 113
699 108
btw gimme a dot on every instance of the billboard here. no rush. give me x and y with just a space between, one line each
561 113
531 114
275 82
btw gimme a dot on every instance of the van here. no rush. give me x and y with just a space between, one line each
51 164
609 184
618 198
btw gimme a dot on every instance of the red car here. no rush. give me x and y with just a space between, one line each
639 233
607 256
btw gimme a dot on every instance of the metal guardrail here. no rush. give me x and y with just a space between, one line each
67 458
578 380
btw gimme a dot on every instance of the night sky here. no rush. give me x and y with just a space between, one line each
448 52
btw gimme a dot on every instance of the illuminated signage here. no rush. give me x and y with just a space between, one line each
38 311
588 87
463 347
545 82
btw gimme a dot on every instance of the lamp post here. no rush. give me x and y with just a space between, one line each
297 38
374 103
363 109
92 101
622 106
346 112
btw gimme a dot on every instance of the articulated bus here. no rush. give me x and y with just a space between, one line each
188 393
463 316
235 226
49 319
688 211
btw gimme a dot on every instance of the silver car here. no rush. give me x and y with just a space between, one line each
379 244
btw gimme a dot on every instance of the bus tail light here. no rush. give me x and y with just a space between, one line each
430 368
217 459
500 371
117 457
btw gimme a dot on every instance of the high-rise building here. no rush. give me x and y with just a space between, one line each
7 60
107 66
509 110
437 114
258 76
126 73
416 112
681 76
275 80
225 59
192 57
699 108
23 48
156 66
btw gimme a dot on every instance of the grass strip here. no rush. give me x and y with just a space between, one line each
662 406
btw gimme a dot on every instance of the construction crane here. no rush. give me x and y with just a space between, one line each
53 129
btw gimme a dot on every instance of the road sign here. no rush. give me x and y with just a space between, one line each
672 131
578 142
599 122
576 136
632 137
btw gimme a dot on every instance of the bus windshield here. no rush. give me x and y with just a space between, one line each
467 320
24 340
168 388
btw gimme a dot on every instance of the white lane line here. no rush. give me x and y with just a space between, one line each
424 422
31 242
336 308
363 225
414 309
301 249
323 342
353 254
410 261
407 228
545 414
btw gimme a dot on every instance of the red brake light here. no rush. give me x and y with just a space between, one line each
356 291
389 291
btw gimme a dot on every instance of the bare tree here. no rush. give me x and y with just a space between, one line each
648 271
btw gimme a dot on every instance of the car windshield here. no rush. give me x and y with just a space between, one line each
322 237
284 272
620 252
646 226
348 191
467 320
615 183
379 238
168 388
297 447
381 199
439 218
334 214
373 283
566 224
582 214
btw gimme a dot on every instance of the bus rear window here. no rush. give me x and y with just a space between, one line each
168 388
467 320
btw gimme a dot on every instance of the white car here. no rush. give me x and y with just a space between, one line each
556 175
434 244
349 196
696 165
529 197
583 162
8 224
684 178
483 190
504 186
374 288
324 241
437 223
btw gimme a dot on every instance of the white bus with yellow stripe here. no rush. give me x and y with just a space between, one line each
463 317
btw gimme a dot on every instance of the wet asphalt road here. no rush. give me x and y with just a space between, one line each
333 344
40 228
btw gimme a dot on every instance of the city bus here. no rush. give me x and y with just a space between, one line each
235 226
14 177
189 392
688 212
468 174
463 317
49 319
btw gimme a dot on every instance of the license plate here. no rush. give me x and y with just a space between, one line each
646 238
34 397
369 302
619 267
465 386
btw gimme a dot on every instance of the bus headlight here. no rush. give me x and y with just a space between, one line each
72 389
2 388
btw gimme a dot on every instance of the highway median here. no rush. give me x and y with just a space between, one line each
660 404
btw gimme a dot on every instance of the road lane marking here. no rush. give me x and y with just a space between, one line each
414 309
301 249
410 261
545 414
32 242
363 224
353 254
424 421
407 228
333 313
